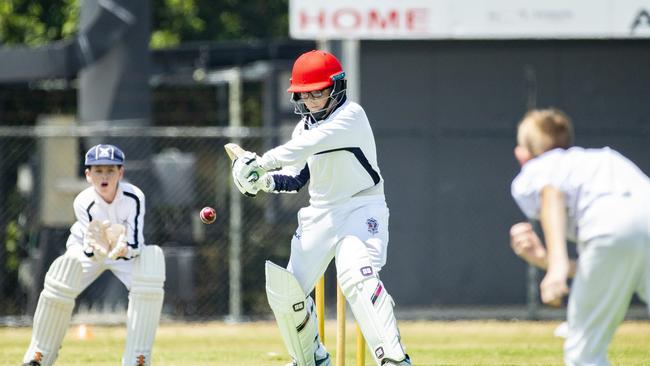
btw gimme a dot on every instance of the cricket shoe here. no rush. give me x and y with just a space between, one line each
388 362
141 360
322 362
36 360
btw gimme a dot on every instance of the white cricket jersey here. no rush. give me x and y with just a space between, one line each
584 176
127 209
337 156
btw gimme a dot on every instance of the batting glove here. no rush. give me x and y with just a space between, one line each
246 172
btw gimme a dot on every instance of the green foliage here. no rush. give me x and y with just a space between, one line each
172 19
239 19
35 23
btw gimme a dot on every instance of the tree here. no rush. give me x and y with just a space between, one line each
173 21
34 23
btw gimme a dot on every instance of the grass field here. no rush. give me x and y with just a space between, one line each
257 344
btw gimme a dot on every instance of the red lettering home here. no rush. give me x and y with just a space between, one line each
362 20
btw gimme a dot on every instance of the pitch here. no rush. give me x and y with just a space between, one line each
259 343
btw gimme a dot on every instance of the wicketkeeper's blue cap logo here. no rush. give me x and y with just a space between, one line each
104 155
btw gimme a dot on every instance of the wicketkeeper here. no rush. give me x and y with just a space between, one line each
106 236
332 148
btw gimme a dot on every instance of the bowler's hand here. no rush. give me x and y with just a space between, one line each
527 245
554 287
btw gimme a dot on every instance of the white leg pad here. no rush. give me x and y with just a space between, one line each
54 310
370 302
293 314
145 304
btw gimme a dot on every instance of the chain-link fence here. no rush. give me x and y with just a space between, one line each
212 270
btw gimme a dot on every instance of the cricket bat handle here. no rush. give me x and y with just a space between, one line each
235 151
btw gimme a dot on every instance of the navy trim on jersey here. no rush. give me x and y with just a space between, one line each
137 215
358 153
90 217
289 183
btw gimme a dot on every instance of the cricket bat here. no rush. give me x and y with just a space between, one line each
234 151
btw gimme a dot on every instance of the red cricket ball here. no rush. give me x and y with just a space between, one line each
208 215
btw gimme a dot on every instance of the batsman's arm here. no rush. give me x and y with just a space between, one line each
342 132
290 179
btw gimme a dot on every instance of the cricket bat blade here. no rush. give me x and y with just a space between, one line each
234 151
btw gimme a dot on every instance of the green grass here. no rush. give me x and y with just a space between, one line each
256 344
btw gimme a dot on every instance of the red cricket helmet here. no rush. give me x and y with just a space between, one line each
315 70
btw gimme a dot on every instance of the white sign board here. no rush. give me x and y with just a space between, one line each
468 19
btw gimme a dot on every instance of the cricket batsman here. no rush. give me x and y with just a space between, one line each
333 148
108 235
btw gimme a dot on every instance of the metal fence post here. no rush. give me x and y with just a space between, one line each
235 230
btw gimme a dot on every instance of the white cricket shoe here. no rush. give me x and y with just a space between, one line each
322 362
405 362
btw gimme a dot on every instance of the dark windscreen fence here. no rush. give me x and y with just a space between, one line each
188 170
444 115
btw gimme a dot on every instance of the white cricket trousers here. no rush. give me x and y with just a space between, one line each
91 269
319 230
612 266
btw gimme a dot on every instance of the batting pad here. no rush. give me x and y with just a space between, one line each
291 309
145 303
371 304
54 310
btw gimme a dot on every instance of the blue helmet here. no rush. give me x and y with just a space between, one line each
103 154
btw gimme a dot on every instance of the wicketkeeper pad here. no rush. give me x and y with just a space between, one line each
371 304
290 307
54 310
145 303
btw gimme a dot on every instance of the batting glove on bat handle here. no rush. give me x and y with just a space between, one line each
265 183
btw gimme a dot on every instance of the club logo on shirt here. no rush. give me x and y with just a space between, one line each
373 225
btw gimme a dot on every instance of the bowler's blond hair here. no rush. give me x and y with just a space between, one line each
542 130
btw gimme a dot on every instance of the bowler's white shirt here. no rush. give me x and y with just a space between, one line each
340 153
583 176
127 209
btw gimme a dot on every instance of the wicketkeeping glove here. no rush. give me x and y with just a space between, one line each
95 243
123 250
116 235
